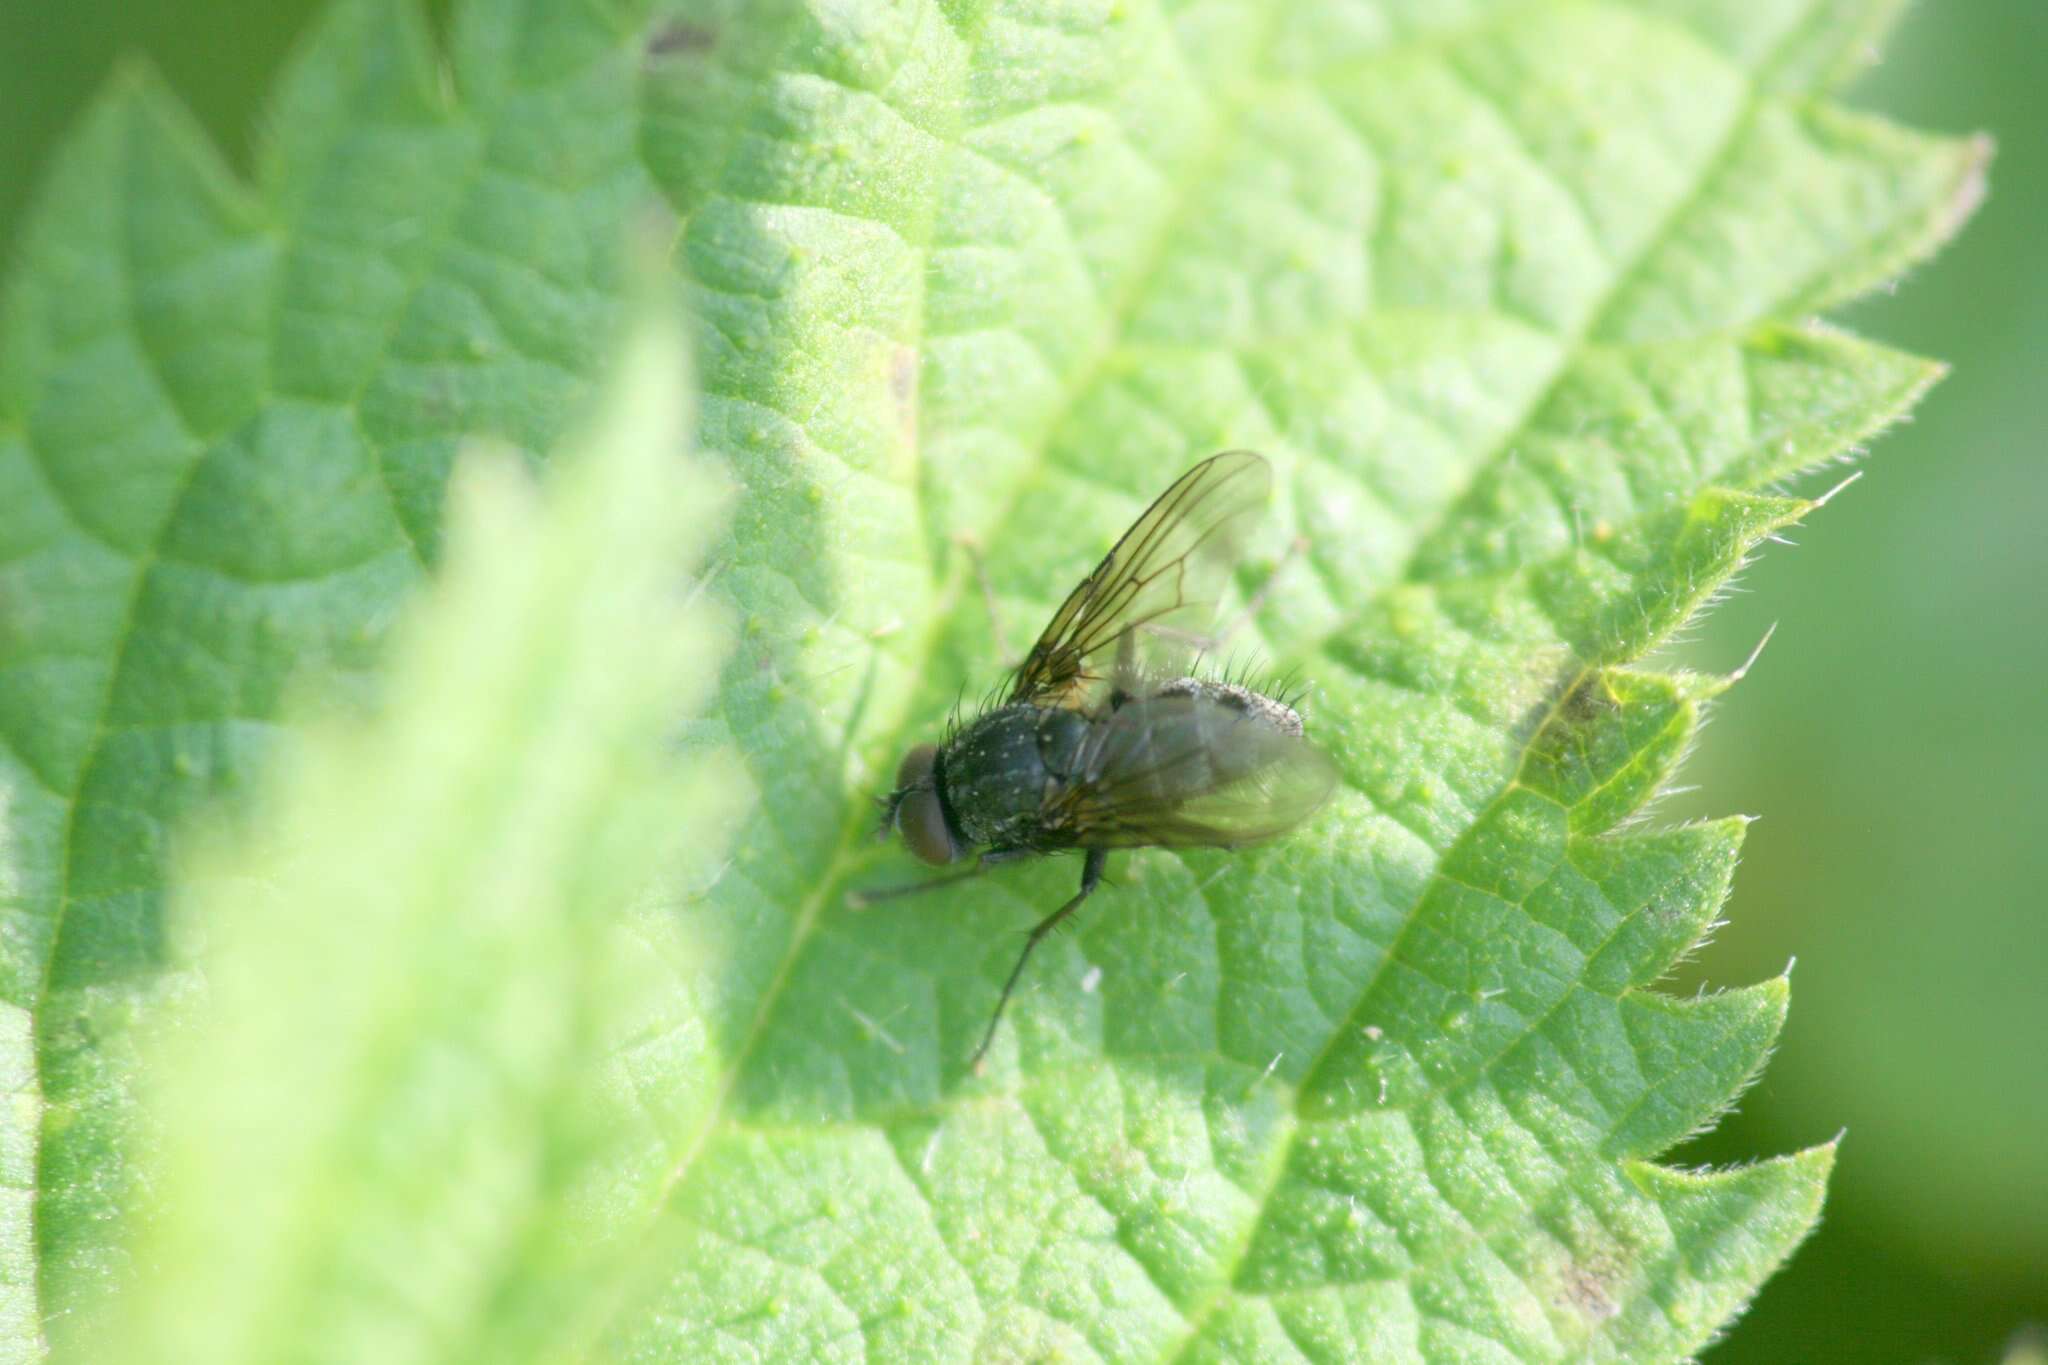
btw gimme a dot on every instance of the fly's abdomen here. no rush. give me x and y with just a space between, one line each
1191 738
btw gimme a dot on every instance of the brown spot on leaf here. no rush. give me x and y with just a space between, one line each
1585 1290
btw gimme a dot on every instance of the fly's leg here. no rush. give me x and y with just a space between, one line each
1091 877
988 598
861 900
1124 682
1215 640
1258 598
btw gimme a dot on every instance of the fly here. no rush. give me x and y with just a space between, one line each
1106 736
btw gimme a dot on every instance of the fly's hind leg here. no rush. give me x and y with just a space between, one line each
1091 877
1124 682
1295 548
972 546
1207 645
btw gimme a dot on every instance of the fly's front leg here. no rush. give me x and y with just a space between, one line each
1091 877
861 900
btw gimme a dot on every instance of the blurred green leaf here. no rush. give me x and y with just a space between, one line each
226 415
428 1097
1509 292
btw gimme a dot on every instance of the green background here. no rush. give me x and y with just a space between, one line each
1890 737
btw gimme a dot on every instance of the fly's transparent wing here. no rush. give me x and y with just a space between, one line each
1211 769
1168 565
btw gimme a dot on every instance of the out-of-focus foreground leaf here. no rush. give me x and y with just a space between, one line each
226 417
426 1099
1513 294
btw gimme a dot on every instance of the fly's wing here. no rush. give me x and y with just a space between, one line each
1166 566
1200 771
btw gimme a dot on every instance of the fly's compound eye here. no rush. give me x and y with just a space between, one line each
916 766
923 822
919 815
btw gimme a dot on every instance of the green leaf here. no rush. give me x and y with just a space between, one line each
436 1061
226 415
1513 294
21 1336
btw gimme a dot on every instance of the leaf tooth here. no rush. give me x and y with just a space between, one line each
1816 395
1701 1052
1527 940
1613 743
362 59
1729 1229
1845 200
1938 182
159 347
1673 883
1823 56
1612 612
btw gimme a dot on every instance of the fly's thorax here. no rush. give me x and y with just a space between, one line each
1000 769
